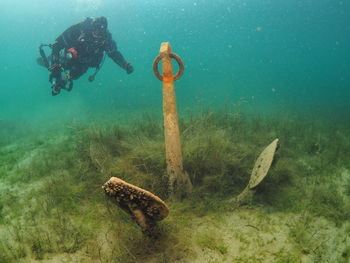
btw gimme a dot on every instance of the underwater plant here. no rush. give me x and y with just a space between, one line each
61 210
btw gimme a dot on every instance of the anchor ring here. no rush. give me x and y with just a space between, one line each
171 55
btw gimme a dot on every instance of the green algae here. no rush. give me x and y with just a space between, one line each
51 202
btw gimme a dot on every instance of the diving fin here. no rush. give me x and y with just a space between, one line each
40 62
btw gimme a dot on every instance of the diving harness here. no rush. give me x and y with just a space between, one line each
58 80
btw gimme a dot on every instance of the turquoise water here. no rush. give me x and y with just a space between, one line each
288 59
275 56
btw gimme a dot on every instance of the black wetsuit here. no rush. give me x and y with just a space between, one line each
90 49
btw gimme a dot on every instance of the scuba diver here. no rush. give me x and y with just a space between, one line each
80 47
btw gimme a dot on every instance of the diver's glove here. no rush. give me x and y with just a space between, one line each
55 74
59 84
129 68
56 79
